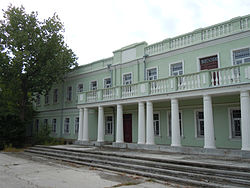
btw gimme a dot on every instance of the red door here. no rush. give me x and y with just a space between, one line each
127 127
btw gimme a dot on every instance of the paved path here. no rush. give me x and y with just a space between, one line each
18 170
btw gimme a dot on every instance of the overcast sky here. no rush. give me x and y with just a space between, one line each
96 28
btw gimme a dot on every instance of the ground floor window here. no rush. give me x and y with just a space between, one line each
37 125
170 124
108 125
200 124
76 125
54 125
66 125
156 124
235 123
45 123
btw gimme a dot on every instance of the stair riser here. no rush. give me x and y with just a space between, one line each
150 170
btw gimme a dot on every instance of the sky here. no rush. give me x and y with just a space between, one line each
96 28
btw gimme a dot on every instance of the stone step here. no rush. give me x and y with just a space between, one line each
169 166
182 181
196 176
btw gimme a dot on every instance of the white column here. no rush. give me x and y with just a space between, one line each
141 123
100 136
85 125
80 125
119 127
209 141
150 126
245 120
176 137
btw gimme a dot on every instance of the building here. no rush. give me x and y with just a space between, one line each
190 90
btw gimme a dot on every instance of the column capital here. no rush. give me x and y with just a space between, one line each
244 93
207 97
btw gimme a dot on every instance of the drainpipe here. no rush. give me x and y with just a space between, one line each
144 65
111 73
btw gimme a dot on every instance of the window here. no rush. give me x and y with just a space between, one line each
93 85
66 125
45 123
107 82
235 123
152 74
176 69
55 96
46 100
156 123
37 125
80 88
170 124
76 125
127 79
241 56
200 124
54 125
38 100
108 125
69 93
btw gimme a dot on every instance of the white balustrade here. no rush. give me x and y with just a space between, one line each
108 93
129 90
191 81
158 86
91 96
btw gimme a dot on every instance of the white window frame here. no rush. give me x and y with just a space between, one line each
231 125
78 89
169 127
105 82
232 57
127 74
159 124
196 126
64 123
54 126
105 123
151 68
67 94
173 63
207 55
91 87
77 125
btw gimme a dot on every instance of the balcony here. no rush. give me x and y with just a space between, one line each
228 76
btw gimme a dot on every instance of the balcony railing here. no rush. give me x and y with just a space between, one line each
204 79
209 33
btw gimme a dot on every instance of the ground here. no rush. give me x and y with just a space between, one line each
18 170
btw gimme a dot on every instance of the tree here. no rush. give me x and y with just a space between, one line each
33 57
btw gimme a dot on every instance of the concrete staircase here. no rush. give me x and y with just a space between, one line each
184 172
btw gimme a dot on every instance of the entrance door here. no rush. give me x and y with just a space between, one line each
127 127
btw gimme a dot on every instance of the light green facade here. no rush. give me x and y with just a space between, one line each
221 40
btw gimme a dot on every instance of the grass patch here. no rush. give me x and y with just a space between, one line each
9 148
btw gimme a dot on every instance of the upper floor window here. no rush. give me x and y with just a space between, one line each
69 93
176 69
38 100
66 125
80 88
170 124
54 125
200 124
241 56
55 96
235 123
152 74
156 122
107 82
93 85
127 79
108 125
76 125
46 100
210 62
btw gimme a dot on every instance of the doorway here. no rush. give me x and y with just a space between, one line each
127 128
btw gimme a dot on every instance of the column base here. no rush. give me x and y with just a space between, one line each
209 147
245 148
176 145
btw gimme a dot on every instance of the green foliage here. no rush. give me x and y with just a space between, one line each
33 56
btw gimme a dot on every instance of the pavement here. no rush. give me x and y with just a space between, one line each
19 170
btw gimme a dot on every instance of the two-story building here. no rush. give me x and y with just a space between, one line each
190 90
